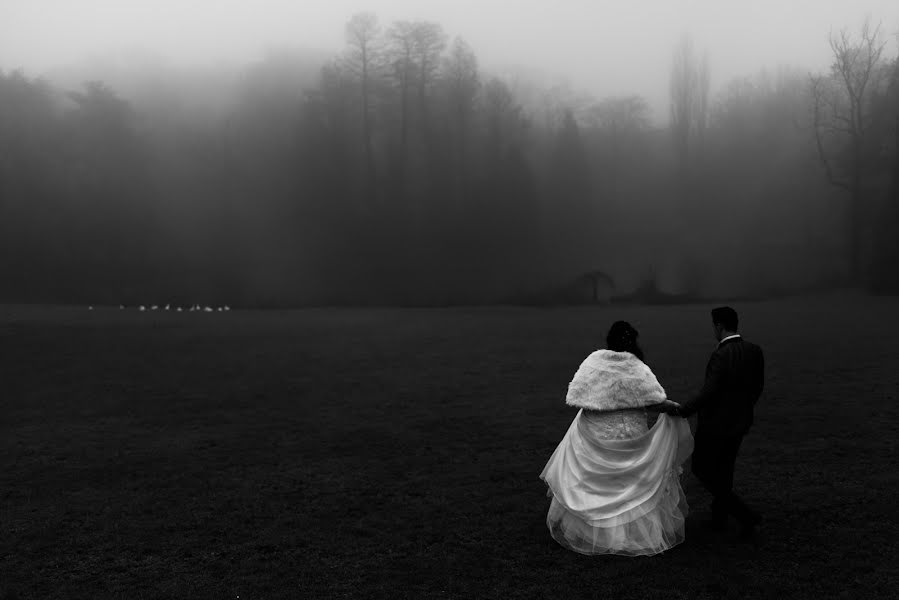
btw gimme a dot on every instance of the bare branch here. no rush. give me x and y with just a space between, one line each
822 155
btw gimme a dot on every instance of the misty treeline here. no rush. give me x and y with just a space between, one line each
400 171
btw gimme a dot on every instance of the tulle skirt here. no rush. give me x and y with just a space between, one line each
619 496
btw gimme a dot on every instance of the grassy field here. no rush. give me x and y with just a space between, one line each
396 453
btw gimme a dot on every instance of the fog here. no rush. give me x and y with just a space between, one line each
605 48
247 152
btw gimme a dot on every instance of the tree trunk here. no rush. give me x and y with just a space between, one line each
856 209
404 135
884 277
424 124
895 184
856 262
460 174
366 134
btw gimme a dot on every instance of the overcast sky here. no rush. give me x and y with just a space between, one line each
607 48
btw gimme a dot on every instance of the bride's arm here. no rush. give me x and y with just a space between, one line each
664 406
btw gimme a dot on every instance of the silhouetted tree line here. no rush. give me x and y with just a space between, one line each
401 172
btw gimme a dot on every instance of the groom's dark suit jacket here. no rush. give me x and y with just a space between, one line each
734 379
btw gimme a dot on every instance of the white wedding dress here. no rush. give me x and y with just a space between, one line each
613 481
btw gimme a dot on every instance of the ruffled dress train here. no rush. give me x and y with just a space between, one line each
615 485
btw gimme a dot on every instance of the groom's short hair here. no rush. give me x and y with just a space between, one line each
727 317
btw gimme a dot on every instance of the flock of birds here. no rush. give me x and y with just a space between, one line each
170 308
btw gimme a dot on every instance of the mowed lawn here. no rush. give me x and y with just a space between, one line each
396 453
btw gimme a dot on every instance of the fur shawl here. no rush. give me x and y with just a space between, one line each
609 380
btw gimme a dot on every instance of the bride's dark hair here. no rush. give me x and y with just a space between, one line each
622 337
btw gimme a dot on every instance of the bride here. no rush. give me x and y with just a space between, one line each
614 482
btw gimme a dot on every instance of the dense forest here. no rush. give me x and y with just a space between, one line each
400 172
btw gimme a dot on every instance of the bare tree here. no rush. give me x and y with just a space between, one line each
704 83
690 81
428 43
557 101
401 62
842 120
504 118
362 34
598 281
619 120
460 75
402 48
620 114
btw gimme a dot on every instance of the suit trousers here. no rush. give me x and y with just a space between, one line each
714 458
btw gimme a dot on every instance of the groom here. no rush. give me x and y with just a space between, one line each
733 384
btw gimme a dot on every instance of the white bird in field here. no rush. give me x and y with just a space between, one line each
90 308
154 307
227 308
220 309
207 309
167 307
143 308
178 309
